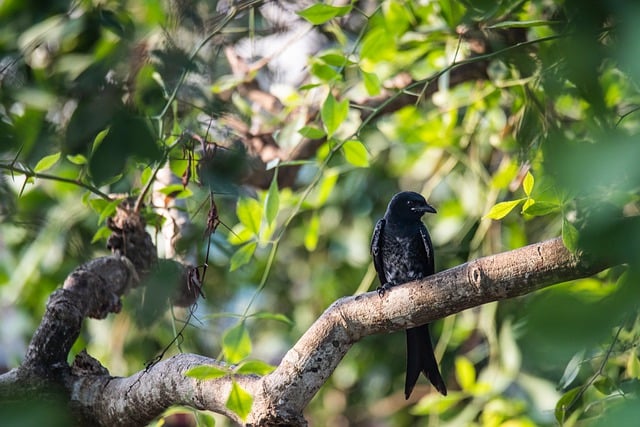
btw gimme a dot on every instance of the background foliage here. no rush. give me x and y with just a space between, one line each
517 119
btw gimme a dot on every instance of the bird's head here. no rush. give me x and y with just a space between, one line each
408 205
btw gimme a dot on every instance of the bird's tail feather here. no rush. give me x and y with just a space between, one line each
420 358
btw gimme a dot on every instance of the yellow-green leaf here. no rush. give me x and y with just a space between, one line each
356 153
333 113
371 83
465 373
47 162
207 372
249 213
527 204
256 367
239 401
311 132
272 201
633 364
320 13
236 343
311 235
242 256
77 159
500 210
527 183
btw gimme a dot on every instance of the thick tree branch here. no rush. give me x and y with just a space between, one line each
280 397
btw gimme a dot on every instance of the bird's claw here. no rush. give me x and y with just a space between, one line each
382 289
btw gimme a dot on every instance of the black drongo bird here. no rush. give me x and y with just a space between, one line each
402 252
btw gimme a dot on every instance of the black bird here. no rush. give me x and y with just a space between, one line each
402 252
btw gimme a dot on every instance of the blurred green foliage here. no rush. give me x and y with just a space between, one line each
92 103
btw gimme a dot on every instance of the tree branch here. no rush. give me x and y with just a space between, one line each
280 397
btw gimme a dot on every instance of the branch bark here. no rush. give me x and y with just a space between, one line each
280 397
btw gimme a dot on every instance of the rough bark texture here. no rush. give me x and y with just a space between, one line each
94 290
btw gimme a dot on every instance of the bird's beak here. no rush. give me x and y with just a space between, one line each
426 208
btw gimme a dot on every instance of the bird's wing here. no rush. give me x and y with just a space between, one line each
376 250
428 248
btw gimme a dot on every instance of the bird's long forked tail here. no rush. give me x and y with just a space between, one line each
420 358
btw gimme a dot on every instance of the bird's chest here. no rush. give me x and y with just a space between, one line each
404 258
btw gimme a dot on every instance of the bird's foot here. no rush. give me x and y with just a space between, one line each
382 289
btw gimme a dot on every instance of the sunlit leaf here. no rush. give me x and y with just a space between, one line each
320 13
527 183
502 209
465 373
371 83
272 200
356 153
312 232
46 162
333 113
256 367
527 204
207 372
242 256
311 132
236 343
633 364
249 212
240 401
77 159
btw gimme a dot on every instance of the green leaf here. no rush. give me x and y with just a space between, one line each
257 367
633 364
523 24
312 132
242 256
465 373
249 212
102 234
527 204
207 372
47 162
336 59
356 153
371 83
527 183
320 13
562 410
239 401
325 72
77 159
272 201
541 208
333 113
236 343
569 235
500 210
312 232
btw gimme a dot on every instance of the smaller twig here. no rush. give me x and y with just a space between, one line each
13 167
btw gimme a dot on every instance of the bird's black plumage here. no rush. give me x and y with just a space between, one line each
402 252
